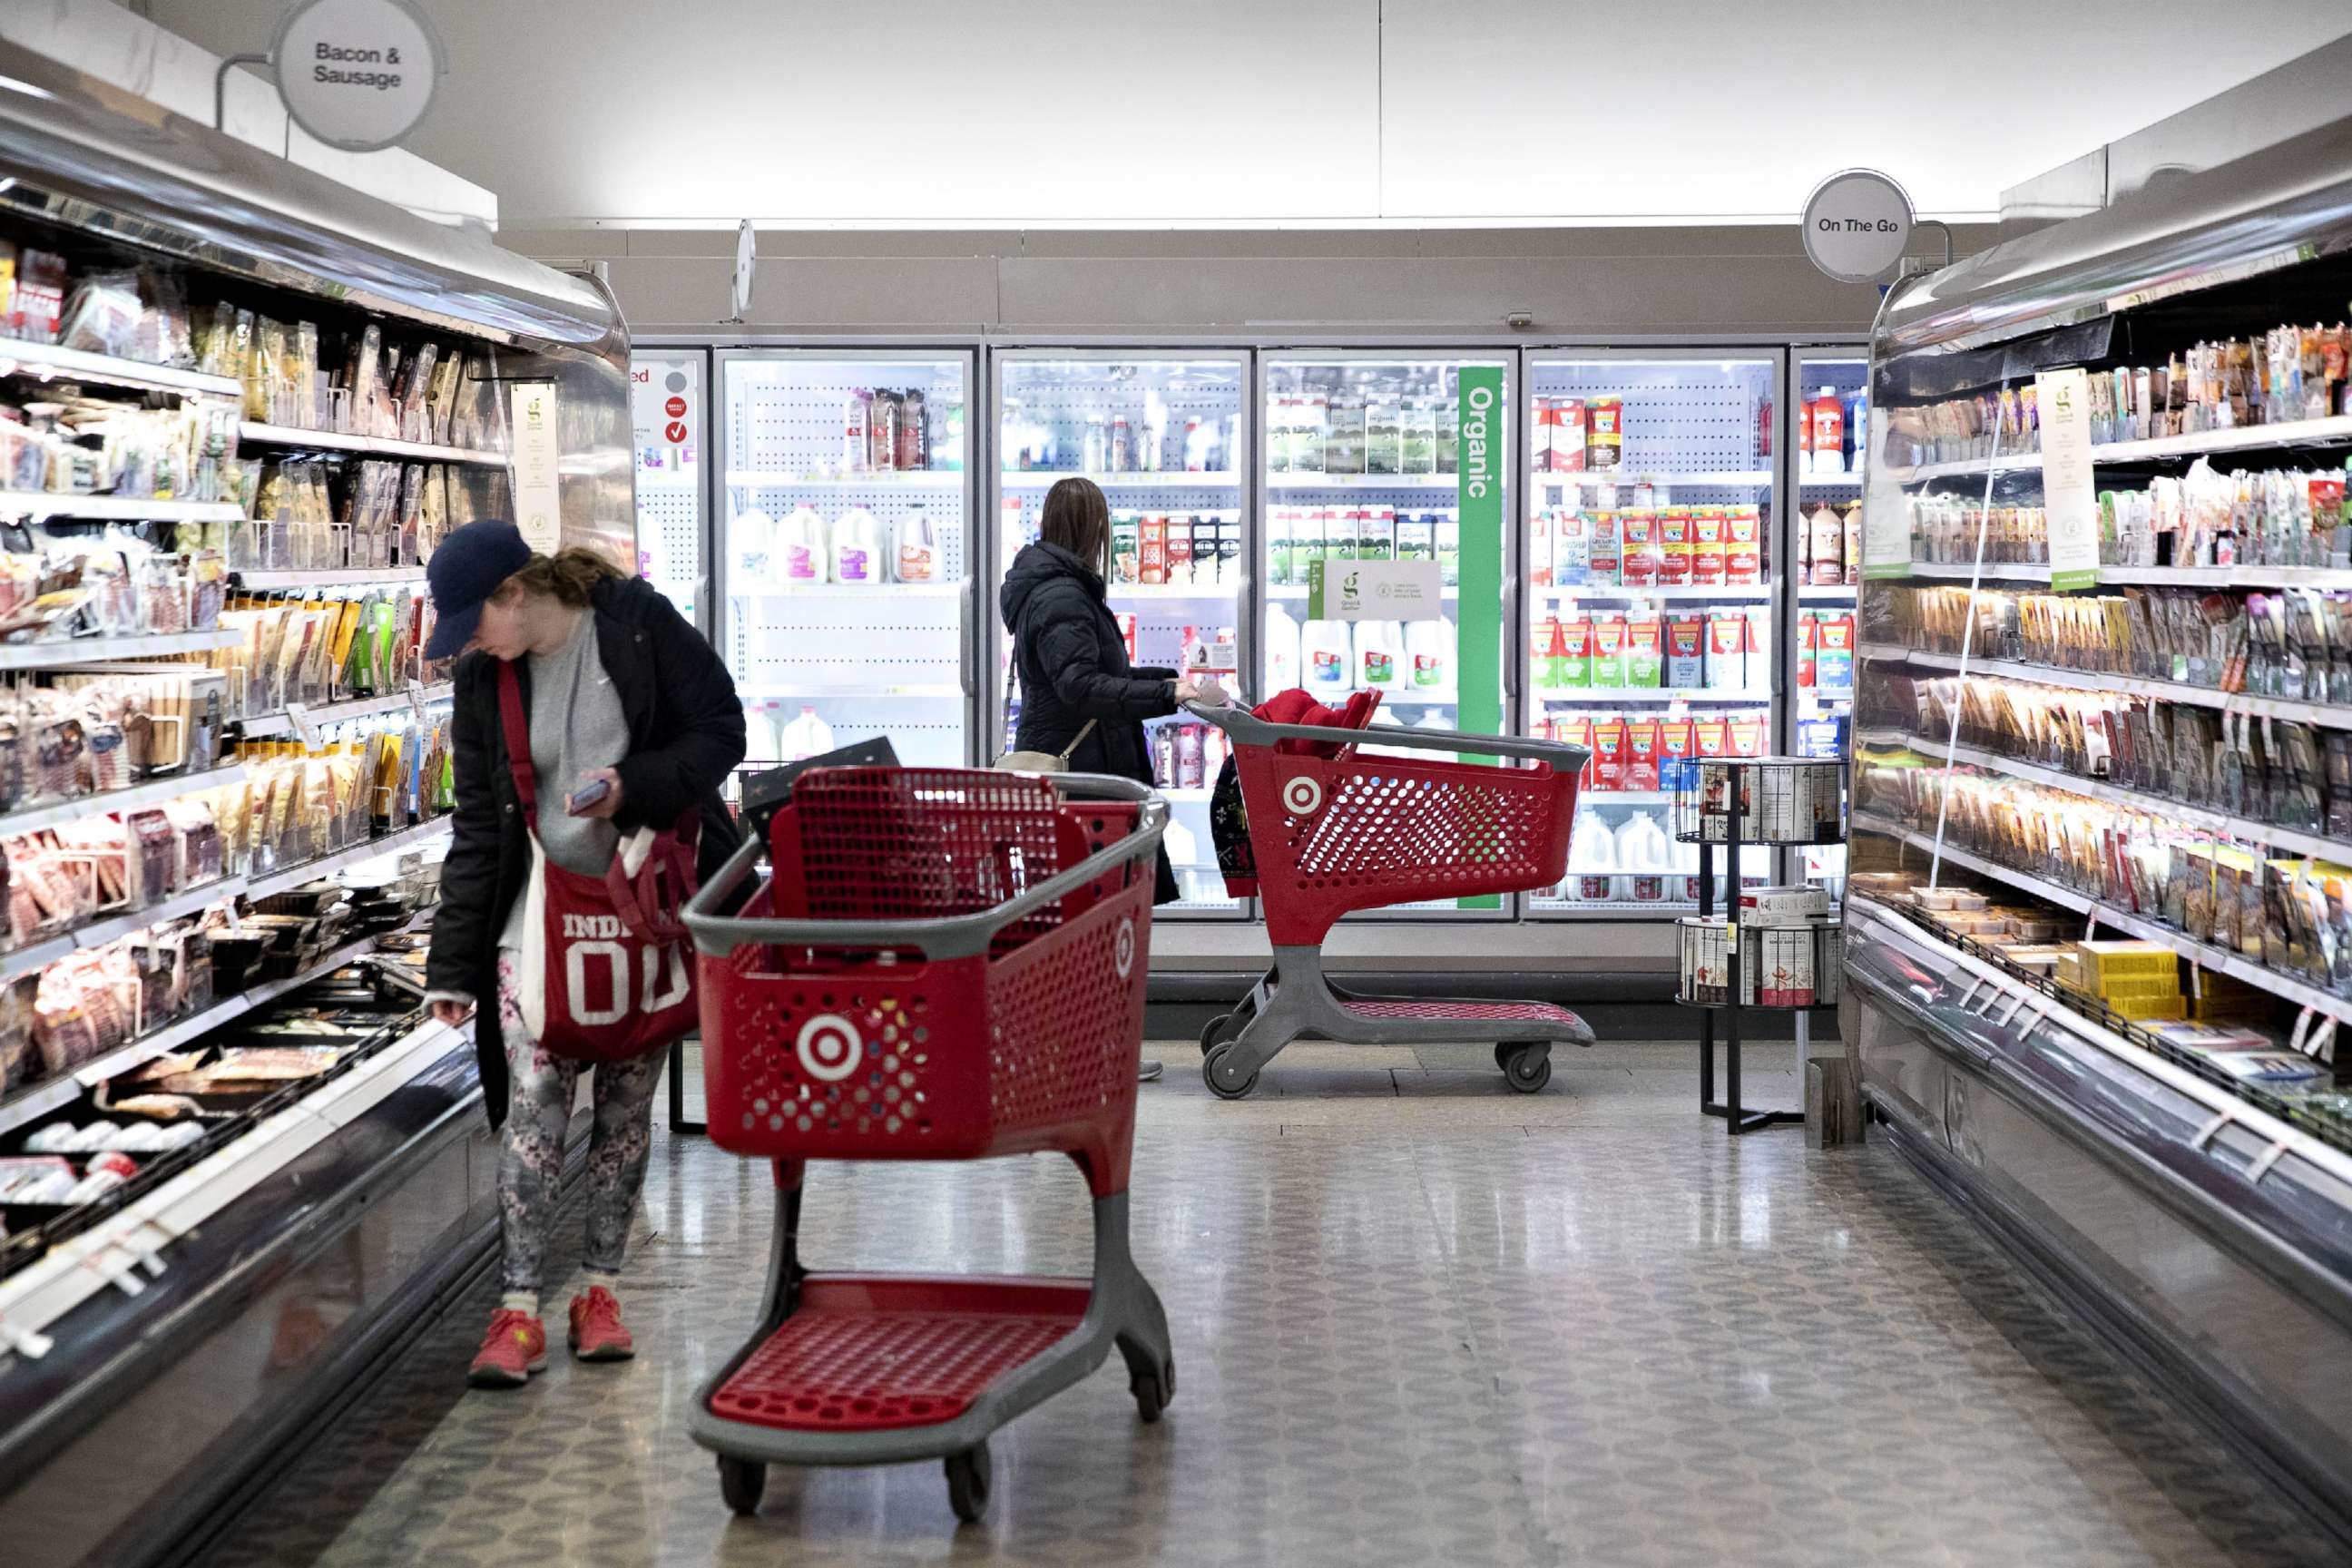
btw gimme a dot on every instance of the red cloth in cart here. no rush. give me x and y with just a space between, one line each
1295 707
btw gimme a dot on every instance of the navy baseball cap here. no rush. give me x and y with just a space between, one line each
466 569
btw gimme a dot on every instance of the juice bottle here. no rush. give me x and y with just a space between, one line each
882 433
1827 414
914 432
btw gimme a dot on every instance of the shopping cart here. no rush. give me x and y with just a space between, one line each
1335 827
941 965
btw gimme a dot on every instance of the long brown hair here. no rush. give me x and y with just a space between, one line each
567 576
1077 518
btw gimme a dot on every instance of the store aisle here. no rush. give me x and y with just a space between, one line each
1418 1321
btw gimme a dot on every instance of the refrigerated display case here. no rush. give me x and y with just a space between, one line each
669 416
1826 430
1166 437
1650 555
2102 820
847 608
1365 459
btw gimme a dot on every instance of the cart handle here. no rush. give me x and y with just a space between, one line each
1248 730
938 936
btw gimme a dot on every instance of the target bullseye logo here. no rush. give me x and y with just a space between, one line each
1123 957
1302 796
829 1047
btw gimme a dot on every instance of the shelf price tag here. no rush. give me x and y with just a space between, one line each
416 699
2063 398
299 715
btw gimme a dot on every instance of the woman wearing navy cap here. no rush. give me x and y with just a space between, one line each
626 701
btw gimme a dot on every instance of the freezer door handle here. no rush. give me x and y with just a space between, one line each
966 664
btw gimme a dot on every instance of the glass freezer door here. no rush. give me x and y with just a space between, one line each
1375 457
1164 437
1828 424
669 408
1649 563
841 561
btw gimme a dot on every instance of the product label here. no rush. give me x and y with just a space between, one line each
1708 549
1428 673
853 565
1609 754
1643 650
1327 668
1575 658
1641 754
1609 652
1643 558
799 563
914 563
1673 548
1380 667
1686 652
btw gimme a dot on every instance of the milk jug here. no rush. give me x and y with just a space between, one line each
806 736
1281 650
753 536
1380 657
915 547
856 548
1326 657
799 554
1429 656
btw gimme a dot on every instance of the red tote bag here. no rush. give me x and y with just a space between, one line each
608 974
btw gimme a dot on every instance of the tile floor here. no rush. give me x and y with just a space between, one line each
1419 1320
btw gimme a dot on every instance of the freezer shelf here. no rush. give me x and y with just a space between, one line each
843 608
1165 437
1827 636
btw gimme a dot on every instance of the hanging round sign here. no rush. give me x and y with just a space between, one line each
356 74
1857 223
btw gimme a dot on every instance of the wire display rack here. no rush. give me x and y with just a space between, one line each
1740 961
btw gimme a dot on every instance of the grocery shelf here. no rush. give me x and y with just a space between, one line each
894 478
1552 904
2338 716
291 876
1837 592
1300 591
1656 591
2220 959
330 578
2217 822
1157 479
115 509
154 792
2331 432
371 446
1225 594
50 362
65 1087
1831 482
1363 481
847 591
1623 797
781 691
98 933
1615 696
280 723
2244 576
70 651
36 955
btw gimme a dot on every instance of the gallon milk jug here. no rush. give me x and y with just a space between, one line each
806 736
1380 657
856 548
1327 655
915 548
1429 656
1646 856
752 535
1592 860
1281 651
762 742
1183 856
799 554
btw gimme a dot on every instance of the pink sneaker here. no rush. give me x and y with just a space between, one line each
596 1331
515 1347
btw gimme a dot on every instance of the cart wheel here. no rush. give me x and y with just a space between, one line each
1213 1031
1527 1067
1216 1059
968 1474
740 1482
1152 1391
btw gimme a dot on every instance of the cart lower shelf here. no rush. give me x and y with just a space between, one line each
877 1352
1439 1010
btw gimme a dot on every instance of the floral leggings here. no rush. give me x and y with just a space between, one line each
531 1153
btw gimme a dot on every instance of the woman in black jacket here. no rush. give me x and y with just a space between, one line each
1071 660
637 702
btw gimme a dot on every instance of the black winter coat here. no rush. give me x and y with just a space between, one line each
1073 666
686 735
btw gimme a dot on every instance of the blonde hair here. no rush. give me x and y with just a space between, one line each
569 576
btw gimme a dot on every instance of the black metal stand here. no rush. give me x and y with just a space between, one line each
1735 1118
677 1121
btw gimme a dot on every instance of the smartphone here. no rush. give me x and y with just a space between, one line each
588 796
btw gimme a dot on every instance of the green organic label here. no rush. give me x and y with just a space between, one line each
1479 498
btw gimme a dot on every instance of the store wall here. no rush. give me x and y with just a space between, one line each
1695 280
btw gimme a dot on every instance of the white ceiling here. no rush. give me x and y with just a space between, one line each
1107 112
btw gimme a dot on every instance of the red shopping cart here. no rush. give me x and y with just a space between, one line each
1336 827
942 964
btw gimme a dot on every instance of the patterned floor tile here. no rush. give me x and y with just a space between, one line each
1418 1320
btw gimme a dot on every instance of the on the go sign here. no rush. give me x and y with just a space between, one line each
356 74
1856 225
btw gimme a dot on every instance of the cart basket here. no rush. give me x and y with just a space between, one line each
943 965
1358 831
